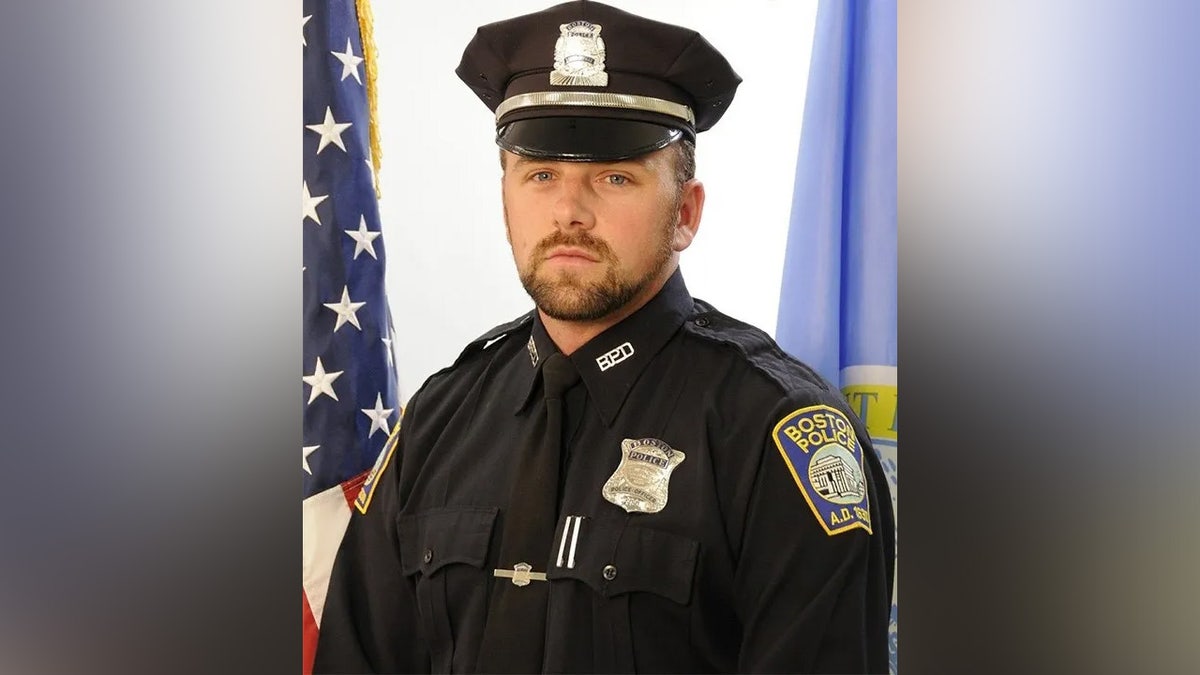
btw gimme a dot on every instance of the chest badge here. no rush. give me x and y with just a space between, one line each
642 478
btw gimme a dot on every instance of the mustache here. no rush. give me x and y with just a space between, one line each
579 239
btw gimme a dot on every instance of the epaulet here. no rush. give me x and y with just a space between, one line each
758 348
491 337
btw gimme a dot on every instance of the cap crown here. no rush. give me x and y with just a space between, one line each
642 58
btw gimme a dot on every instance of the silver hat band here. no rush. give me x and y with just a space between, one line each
595 100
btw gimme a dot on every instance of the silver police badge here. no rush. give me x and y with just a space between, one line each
641 480
579 56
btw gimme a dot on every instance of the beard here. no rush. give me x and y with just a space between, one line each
566 296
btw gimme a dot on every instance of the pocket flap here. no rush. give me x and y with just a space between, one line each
655 561
432 539
645 559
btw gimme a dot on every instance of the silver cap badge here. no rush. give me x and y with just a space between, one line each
579 56
641 480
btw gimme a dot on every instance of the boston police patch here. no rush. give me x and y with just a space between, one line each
824 455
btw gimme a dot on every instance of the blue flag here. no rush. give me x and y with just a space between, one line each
837 306
350 398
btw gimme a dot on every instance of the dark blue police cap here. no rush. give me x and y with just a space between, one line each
584 81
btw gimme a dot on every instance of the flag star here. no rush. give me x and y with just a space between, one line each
303 40
345 310
379 416
322 382
387 341
308 450
309 203
349 62
330 130
364 237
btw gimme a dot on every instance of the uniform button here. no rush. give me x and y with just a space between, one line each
702 322
610 572
428 557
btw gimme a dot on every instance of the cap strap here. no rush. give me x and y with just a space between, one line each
595 100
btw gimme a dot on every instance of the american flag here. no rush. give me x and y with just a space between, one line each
350 398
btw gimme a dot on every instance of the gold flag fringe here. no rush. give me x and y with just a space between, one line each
366 29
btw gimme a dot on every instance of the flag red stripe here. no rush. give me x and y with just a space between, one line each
309 635
351 487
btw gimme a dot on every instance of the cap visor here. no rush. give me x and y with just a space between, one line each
584 139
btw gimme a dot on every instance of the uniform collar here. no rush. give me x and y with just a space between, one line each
610 363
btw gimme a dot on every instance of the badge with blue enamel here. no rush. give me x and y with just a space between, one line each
822 451
640 483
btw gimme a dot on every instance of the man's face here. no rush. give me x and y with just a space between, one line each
589 238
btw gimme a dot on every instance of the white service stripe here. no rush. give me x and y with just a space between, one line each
325 516
885 375
574 541
562 543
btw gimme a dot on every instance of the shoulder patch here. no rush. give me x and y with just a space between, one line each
822 451
381 464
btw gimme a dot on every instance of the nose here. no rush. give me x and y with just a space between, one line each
573 205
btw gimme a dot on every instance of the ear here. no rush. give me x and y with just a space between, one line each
691 206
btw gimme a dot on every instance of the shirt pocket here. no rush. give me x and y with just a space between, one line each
444 552
642 579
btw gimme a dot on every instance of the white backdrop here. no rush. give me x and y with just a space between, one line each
450 274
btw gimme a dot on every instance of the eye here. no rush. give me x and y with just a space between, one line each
617 179
541 176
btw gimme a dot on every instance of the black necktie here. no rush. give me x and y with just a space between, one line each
514 637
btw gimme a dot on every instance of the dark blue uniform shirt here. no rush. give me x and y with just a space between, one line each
737 572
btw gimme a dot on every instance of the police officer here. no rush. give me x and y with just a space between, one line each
624 479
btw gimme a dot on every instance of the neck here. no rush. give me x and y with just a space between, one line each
571 335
